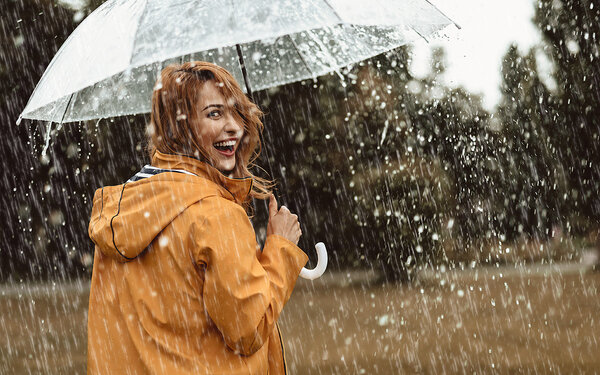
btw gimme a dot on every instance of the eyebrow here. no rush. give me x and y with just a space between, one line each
213 105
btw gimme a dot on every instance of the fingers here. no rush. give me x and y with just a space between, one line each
298 233
286 216
272 206
283 222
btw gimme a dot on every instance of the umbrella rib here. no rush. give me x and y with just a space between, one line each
419 34
443 14
334 11
66 108
301 56
139 23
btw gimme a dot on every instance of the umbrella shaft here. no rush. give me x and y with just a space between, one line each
244 72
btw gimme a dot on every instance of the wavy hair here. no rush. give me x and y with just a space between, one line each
174 105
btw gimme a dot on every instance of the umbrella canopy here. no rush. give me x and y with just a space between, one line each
108 66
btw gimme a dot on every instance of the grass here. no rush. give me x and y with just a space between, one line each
489 322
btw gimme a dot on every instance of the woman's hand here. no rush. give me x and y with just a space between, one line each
282 222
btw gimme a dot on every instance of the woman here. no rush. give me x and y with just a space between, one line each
178 285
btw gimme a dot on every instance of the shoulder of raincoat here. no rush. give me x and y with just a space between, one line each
178 285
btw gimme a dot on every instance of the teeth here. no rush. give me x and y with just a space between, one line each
225 144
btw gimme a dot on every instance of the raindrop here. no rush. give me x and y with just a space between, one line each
163 241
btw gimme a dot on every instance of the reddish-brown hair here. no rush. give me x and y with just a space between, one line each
174 105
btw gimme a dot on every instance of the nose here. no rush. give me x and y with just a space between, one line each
233 124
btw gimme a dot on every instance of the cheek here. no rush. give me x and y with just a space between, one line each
206 134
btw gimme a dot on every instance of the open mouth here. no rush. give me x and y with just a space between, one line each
226 147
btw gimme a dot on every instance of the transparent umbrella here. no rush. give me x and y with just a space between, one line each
108 66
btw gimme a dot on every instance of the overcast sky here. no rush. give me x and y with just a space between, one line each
474 53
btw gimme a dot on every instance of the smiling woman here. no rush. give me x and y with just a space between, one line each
179 285
197 105
218 127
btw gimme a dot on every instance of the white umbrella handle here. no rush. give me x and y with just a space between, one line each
321 264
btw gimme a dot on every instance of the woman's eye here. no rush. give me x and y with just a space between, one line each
215 113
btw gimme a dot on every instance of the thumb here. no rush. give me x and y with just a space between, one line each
272 206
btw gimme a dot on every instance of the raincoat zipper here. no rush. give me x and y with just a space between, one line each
282 349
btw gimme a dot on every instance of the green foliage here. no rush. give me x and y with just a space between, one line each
532 174
48 198
30 34
571 32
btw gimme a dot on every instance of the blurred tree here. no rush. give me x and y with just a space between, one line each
459 135
399 189
48 197
571 35
530 178
30 33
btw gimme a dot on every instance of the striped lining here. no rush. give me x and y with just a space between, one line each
149 171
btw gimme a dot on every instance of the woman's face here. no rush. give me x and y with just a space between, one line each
219 131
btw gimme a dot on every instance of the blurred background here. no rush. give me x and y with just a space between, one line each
454 182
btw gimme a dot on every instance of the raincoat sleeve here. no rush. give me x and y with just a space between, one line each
243 294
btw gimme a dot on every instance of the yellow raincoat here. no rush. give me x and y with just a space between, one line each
178 286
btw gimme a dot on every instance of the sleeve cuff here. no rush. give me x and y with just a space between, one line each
280 247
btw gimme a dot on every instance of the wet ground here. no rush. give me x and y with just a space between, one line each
476 321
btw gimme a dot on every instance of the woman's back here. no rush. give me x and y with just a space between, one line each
177 285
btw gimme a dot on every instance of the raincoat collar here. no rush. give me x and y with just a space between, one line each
238 188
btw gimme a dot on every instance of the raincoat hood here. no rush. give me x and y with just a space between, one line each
126 218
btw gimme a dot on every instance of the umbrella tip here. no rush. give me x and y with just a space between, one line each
19 120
